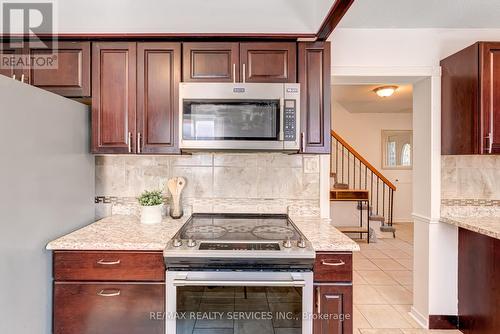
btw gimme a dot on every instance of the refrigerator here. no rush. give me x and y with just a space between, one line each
46 190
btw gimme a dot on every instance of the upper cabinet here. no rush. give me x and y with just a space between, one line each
268 62
239 62
314 79
135 97
210 62
470 101
69 76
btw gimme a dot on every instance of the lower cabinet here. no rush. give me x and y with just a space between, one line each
109 307
333 293
333 308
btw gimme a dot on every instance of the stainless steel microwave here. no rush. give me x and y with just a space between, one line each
239 116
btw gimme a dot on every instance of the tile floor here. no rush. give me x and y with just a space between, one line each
383 286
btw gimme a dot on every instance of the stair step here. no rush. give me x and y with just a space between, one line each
340 186
352 229
348 195
377 218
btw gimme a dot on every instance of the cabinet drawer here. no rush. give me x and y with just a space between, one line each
333 267
108 266
108 307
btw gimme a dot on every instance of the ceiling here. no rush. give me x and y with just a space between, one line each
362 99
423 14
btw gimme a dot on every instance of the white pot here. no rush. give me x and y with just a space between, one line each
151 214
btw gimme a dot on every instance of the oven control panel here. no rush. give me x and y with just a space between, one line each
290 121
253 246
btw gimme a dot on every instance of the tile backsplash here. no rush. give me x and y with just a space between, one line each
470 185
222 182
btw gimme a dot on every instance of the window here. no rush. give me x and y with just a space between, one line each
397 149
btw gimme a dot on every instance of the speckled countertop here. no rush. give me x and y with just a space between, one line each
487 225
122 232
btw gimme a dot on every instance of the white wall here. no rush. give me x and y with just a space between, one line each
407 52
363 131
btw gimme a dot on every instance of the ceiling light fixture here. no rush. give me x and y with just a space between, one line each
385 91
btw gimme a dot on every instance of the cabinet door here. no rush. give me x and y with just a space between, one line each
314 79
333 309
5 68
158 76
491 97
210 62
71 76
268 62
113 97
109 308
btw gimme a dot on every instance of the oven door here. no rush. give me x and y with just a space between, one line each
256 302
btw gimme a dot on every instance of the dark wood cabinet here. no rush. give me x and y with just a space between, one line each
333 296
333 309
314 79
5 53
470 101
478 283
108 307
135 97
211 62
71 75
113 97
268 62
158 77
108 292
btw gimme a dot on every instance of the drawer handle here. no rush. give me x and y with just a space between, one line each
336 264
108 263
109 293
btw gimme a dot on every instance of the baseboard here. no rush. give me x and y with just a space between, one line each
443 321
419 318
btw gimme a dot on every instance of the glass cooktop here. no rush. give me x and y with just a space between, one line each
244 227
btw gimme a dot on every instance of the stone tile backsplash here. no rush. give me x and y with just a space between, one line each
216 182
470 177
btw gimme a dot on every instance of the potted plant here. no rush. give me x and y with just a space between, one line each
151 206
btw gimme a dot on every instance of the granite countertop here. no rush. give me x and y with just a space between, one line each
324 236
487 225
123 232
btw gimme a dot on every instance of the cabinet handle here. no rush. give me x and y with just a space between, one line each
108 263
130 142
14 76
109 293
22 78
302 142
138 142
490 142
318 300
244 73
336 264
234 73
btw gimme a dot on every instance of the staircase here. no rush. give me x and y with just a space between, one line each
354 179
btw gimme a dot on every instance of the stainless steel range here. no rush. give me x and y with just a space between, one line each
262 258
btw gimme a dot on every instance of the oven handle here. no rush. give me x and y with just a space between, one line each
282 121
187 282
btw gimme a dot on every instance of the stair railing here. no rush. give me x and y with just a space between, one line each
353 169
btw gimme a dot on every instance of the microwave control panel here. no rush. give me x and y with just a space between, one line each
290 122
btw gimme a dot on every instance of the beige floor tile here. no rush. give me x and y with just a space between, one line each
395 294
358 256
427 331
357 279
397 254
367 295
403 277
364 264
381 331
377 277
408 287
388 264
404 310
383 316
359 321
382 245
374 254
407 263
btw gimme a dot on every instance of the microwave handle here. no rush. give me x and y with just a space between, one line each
282 120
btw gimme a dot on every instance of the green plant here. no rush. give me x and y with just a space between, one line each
150 198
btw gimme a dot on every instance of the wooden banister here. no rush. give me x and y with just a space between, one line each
363 160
